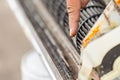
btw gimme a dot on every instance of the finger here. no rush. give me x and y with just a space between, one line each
94 76
73 7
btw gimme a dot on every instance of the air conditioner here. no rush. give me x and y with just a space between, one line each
95 48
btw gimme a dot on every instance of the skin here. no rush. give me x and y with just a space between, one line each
74 7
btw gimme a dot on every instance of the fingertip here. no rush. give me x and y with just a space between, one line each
73 31
73 24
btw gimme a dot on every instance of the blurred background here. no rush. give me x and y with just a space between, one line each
13 44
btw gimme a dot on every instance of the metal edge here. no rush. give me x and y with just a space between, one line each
32 36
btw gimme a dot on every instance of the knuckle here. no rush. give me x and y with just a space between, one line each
70 9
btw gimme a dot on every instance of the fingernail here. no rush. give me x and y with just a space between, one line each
70 33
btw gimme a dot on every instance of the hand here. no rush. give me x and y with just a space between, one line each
74 7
